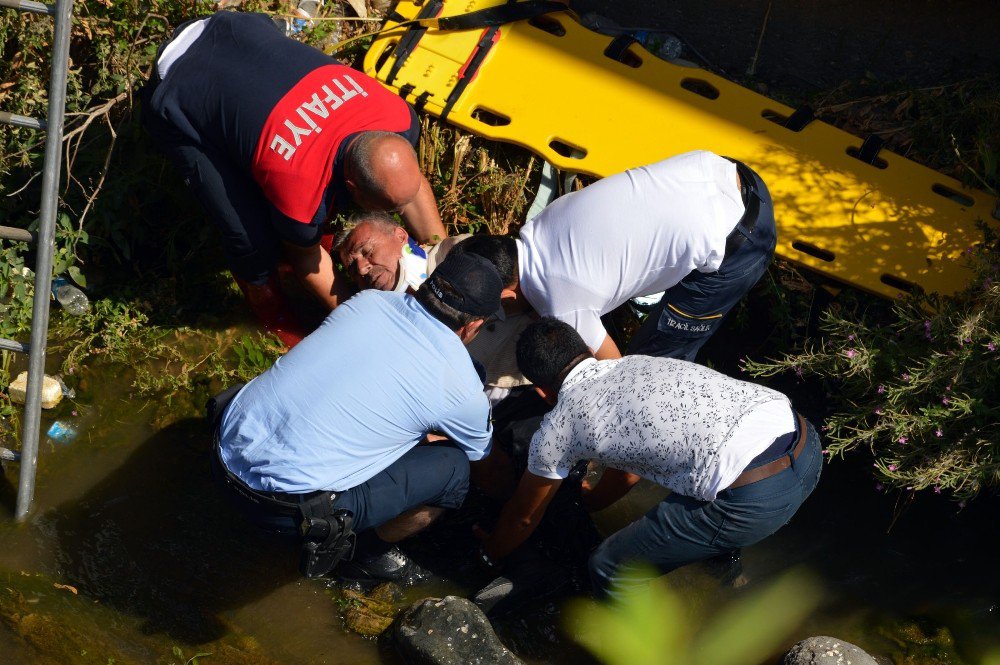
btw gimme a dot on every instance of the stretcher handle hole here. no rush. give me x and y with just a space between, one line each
549 25
700 87
949 193
876 161
567 150
384 55
814 251
491 118
900 283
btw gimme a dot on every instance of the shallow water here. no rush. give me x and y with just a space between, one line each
164 569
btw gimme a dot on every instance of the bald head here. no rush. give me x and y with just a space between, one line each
381 171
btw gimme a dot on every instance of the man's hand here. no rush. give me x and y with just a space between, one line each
520 516
314 268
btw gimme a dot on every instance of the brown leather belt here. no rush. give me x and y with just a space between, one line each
778 465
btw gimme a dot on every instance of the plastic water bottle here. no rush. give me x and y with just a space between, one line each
72 299
62 432
305 11
661 44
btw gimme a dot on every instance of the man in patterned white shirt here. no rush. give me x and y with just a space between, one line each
738 459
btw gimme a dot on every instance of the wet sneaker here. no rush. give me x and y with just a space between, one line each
390 566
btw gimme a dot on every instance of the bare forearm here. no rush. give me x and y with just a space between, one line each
608 350
314 268
613 485
422 218
511 531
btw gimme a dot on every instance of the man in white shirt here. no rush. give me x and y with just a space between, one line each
738 459
698 226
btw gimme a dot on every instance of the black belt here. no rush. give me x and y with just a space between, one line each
751 205
280 503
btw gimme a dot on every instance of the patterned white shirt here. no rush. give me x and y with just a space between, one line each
684 426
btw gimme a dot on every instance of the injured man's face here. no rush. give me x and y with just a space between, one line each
371 255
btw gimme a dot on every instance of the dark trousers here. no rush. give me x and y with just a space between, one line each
427 475
691 311
681 530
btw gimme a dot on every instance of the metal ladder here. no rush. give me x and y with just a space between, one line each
62 13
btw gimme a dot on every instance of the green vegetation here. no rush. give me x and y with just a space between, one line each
653 625
918 384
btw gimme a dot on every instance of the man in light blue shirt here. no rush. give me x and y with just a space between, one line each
339 424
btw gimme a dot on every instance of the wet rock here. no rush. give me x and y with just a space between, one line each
449 631
823 650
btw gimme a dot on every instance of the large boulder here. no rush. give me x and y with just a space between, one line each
449 631
823 650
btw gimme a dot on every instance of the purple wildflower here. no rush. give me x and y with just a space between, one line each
74 414
937 489
879 487
892 467
878 411
880 390
850 353
850 338
938 433
905 376
991 346
945 400
902 440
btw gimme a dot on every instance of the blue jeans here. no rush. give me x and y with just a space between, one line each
681 530
691 311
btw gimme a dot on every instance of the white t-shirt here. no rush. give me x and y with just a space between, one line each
630 234
682 425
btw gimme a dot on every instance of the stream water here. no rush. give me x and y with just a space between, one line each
131 554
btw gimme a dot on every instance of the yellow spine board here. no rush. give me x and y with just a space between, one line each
546 85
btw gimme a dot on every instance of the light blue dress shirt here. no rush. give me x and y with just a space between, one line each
353 397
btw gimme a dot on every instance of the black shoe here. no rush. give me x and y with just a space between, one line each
390 566
728 569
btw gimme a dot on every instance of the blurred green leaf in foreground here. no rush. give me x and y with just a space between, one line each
653 625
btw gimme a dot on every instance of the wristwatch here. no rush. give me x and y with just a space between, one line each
486 562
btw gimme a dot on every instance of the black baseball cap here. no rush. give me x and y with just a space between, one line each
469 283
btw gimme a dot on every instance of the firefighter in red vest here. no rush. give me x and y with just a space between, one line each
275 138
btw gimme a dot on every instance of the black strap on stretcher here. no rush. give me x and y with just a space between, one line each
616 49
470 68
868 153
409 41
490 18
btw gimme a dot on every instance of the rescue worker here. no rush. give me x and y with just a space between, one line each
326 440
698 226
274 138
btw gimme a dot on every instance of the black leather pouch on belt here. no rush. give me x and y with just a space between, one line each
327 537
